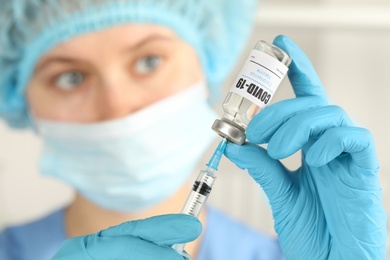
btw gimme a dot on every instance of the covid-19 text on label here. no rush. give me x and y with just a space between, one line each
254 90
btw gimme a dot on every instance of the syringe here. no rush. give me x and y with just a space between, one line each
201 190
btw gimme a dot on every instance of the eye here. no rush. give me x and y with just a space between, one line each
148 64
69 80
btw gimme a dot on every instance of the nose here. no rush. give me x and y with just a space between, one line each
115 99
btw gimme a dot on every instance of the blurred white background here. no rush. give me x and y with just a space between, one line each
348 42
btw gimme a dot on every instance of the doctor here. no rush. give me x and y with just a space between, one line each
119 92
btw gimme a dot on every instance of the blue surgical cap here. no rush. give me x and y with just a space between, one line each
216 29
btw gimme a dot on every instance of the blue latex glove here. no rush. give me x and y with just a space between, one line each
147 239
331 207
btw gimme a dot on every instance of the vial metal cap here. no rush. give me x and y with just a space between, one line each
233 133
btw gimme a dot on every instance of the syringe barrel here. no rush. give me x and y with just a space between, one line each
199 194
196 200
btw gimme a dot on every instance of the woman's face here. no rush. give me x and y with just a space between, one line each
111 73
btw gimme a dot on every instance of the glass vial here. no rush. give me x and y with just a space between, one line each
252 90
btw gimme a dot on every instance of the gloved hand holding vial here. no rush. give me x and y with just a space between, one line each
331 207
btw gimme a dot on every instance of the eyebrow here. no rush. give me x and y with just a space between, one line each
69 60
56 59
148 39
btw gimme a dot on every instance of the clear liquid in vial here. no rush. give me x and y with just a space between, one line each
239 110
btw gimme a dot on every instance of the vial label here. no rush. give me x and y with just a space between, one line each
259 78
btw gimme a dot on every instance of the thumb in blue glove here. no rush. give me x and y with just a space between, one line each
331 207
147 239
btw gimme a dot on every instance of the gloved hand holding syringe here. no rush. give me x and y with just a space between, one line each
252 91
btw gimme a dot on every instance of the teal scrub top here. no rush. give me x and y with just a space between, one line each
224 238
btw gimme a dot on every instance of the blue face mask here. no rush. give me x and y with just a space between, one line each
135 162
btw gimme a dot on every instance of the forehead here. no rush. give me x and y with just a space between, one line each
115 38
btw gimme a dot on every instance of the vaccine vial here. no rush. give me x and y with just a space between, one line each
252 90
